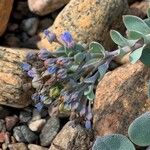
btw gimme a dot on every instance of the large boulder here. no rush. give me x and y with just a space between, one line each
87 20
5 10
12 78
120 98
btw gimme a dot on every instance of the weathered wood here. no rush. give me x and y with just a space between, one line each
12 78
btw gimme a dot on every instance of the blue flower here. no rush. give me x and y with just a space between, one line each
52 69
39 106
88 124
26 66
61 73
49 62
35 97
32 73
67 40
51 37
44 54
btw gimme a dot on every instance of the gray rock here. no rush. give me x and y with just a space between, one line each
25 116
49 131
71 137
2 125
24 134
36 115
30 25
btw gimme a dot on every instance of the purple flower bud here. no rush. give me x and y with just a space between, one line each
52 69
83 111
62 61
32 73
67 39
35 97
39 106
49 62
26 66
61 73
88 124
44 54
51 37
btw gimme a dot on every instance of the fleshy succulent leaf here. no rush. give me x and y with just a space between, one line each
113 142
136 23
148 13
79 57
136 55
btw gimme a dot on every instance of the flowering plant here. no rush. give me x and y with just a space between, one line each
65 80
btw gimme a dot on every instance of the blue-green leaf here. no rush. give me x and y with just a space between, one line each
147 21
91 63
136 55
149 89
135 35
118 38
145 58
102 69
92 79
79 57
135 23
89 93
96 47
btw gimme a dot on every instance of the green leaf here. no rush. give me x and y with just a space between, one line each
118 38
92 79
134 23
102 69
79 47
145 58
135 35
136 55
147 21
89 93
96 47
91 63
148 13
79 57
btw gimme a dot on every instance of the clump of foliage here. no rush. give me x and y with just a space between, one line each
65 79
138 131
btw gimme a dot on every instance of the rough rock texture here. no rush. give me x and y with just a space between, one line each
17 146
88 20
71 137
36 147
5 10
43 7
120 97
12 78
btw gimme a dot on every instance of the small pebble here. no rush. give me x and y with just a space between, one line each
13 27
24 134
17 146
37 125
25 116
36 115
49 131
2 137
30 25
2 125
36 147
10 122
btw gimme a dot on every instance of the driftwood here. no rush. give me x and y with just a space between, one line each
12 78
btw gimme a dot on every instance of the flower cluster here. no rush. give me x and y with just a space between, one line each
65 79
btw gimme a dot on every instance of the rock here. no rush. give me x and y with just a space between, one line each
12 41
13 27
2 125
43 7
11 122
2 137
25 115
71 137
44 24
5 10
36 115
12 78
17 146
49 131
4 112
36 147
24 134
30 25
37 125
120 98
140 8
87 21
